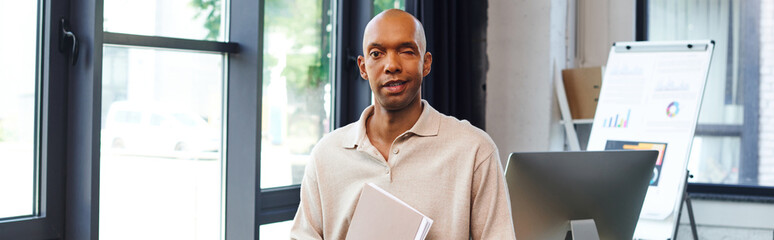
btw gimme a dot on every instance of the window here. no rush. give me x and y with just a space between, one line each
162 121
297 91
732 146
19 104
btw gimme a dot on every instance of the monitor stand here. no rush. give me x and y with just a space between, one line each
582 229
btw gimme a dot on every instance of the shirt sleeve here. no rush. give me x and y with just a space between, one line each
307 223
490 216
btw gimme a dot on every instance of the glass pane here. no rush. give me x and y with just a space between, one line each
381 5
715 160
193 19
18 56
296 87
717 20
161 144
278 230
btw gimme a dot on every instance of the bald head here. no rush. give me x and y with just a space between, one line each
394 61
391 21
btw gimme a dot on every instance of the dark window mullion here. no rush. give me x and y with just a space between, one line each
641 20
53 142
84 101
169 43
29 228
719 130
739 192
279 204
749 78
243 131
353 94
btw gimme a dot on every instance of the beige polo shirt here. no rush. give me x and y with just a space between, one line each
445 168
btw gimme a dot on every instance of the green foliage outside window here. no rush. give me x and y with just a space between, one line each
211 10
301 22
381 5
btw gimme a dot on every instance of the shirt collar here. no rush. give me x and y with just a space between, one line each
427 125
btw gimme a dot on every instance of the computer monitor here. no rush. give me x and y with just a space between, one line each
548 189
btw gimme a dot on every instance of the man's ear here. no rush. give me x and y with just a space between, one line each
362 67
427 64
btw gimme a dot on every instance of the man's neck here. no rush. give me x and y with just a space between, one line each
384 126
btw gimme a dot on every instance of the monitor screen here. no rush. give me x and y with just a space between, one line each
548 189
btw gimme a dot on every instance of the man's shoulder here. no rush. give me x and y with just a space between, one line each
452 126
463 136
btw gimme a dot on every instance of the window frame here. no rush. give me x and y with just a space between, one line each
50 150
236 65
84 113
747 131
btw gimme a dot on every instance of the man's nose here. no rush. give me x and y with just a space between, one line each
393 63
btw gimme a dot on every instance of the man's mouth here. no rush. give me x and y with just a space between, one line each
395 86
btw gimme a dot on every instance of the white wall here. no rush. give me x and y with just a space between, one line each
599 25
520 114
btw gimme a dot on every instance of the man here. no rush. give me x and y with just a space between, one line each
445 168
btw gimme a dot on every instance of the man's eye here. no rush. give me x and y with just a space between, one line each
375 54
409 52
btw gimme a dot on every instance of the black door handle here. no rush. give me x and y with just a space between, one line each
67 40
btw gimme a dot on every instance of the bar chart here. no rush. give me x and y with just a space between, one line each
620 120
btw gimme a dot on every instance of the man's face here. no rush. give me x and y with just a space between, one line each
394 61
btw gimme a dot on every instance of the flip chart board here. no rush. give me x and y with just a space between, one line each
650 99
